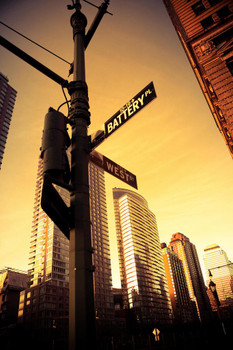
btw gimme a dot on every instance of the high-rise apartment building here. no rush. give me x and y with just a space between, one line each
49 248
205 29
46 301
143 279
221 268
103 275
184 309
186 251
7 101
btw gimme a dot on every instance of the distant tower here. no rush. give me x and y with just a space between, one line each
183 308
49 260
143 278
7 101
186 251
205 29
221 268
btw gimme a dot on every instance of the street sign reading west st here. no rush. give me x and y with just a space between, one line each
138 102
113 168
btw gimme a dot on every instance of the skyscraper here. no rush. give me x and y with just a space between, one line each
142 272
183 308
49 260
205 29
7 101
49 248
186 251
103 276
221 268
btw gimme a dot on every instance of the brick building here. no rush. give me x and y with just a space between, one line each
205 29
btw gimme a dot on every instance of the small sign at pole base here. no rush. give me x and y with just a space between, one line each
156 332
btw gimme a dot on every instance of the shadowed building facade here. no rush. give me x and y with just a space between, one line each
143 279
183 308
205 29
12 282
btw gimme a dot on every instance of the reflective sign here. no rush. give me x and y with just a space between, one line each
113 168
130 109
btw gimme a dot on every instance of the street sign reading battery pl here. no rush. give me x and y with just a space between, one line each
130 109
113 168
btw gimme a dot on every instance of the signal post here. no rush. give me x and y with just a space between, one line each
82 332
74 221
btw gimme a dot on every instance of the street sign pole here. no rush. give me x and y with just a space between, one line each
82 332
82 327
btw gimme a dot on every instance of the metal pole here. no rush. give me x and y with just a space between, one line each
81 298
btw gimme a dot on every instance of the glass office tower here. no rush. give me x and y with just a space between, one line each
142 271
7 101
221 268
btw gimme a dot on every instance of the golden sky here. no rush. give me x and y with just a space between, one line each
183 167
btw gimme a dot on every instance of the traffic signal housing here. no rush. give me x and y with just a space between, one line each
55 142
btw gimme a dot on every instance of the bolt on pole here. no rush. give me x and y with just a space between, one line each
82 333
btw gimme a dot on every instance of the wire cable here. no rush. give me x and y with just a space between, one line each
66 101
32 41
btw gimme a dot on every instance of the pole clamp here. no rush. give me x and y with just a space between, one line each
79 107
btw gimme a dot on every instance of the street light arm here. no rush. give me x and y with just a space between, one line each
101 12
33 62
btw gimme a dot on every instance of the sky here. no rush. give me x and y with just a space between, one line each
183 167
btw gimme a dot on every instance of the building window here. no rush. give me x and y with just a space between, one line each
220 114
224 12
198 8
229 63
228 135
214 2
223 38
207 22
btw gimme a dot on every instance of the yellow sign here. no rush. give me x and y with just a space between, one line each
156 334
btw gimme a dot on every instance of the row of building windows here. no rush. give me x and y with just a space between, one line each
207 22
198 8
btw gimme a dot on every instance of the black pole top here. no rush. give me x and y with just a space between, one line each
76 5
